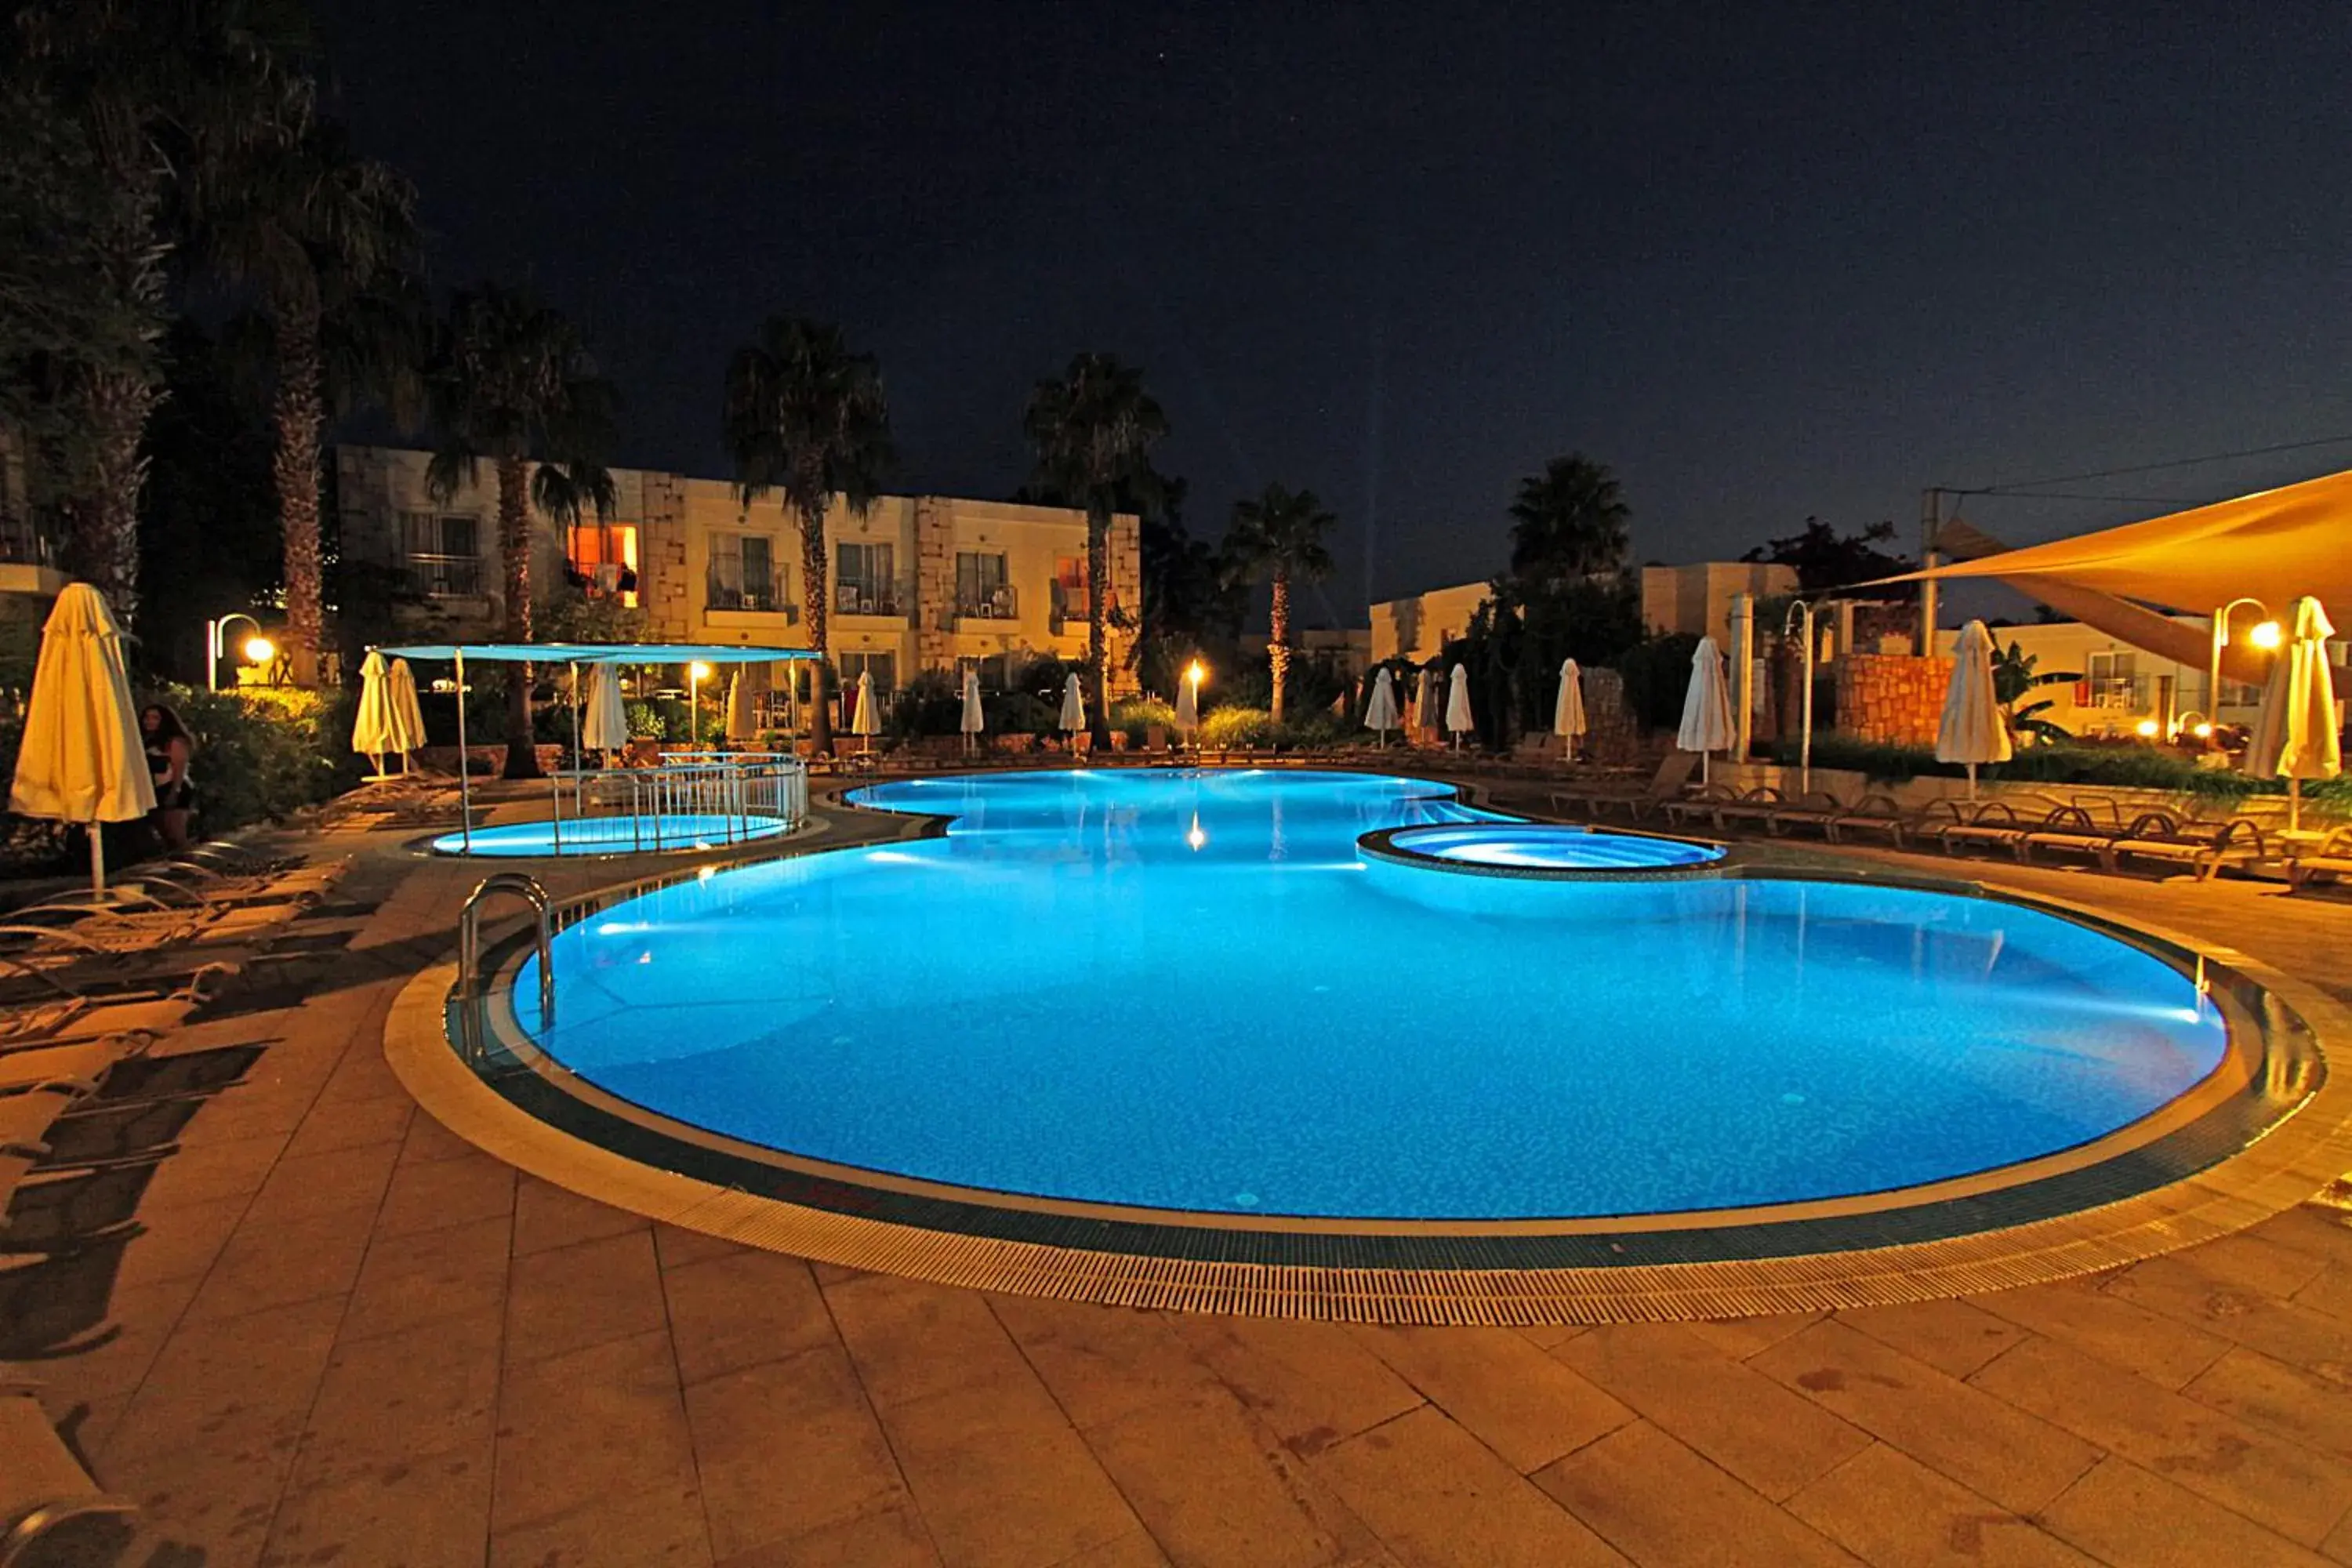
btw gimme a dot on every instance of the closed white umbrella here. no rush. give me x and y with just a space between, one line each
1457 705
1568 709
408 713
81 759
1706 706
743 691
975 719
1426 703
1380 712
1972 731
372 727
605 727
1074 706
2295 737
866 718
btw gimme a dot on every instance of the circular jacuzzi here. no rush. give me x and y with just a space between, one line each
1538 850
617 834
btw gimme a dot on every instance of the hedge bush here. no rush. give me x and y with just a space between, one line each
2118 766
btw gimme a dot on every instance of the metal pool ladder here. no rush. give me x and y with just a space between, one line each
470 936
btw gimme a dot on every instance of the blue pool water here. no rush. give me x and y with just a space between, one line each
1182 989
1542 846
623 834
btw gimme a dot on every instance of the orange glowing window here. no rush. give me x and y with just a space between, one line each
604 561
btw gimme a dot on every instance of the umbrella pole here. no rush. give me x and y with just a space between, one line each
98 858
1972 781
465 773
2294 805
579 757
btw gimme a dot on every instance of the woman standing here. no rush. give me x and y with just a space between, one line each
169 749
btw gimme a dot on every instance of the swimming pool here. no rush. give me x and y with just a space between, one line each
1179 990
610 834
1543 848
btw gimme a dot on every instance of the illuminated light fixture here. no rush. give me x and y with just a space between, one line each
2203 731
259 650
2147 729
2266 634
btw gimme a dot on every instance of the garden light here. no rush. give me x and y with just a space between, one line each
2266 634
259 650
2147 729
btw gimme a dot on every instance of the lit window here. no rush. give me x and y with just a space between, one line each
604 561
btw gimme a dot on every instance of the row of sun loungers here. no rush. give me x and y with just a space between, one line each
84 989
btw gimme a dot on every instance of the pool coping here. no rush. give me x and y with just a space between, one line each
2289 1138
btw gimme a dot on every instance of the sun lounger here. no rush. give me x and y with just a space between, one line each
2205 846
1870 813
2331 856
2071 831
1997 823
80 1065
1704 801
1814 808
45 1493
1757 805
1669 783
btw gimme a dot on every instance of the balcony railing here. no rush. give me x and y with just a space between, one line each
22 544
852 597
442 576
1000 603
755 595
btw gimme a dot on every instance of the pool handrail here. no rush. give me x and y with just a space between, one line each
470 936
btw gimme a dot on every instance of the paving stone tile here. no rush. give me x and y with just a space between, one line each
419 1275
1137 1550
547 1216
2268 1479
299 1186
1213 1485
1891 1510
2311 1407
209 1497
432 1194
428 1141
741 1308
910 1340
1773 1440
1544 1336
2118 1331
430 1508
578 1430
429 1389
1656 1501
2252 1263
1436 1495
787 1446
2016 1460
2123 1516
2283 1330
1505 1392
215 1372
2319 1229
269 1264
1953 1336
115 1357
1743 1337
583 1294
350 1126
2330 1291
660 1526
678 1246
1101 1363
1001 1477
1312 1384
206 1173
894 1538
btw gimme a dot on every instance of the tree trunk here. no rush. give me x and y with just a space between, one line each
300 414
514 549
103 547
1277 643
814 604
1099 617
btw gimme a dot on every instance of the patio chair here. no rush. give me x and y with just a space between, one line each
2331 856
45 1493
2073 831
79 1066
1870 813
2204 847
1757 805
1814 808
1671 780
1995 824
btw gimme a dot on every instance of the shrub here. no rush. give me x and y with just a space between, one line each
1136 715
1315 731
930 704
2120 767
663 719
1657 673
262 753
1227 729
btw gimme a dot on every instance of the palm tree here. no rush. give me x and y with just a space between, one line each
1094 430
1569 522
331 243
1280 535
805 416
509 383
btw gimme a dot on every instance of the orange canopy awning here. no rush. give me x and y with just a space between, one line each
2274 545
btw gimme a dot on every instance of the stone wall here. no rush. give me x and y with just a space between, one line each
1892 698
1611 734
664 587
935 582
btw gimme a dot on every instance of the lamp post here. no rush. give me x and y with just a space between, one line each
696 674
216 644
1802 612
1193 673
2219 639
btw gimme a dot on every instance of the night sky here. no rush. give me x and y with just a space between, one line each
1765 260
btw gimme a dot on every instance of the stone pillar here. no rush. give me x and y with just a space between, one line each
1743 674
1127 594
671 601
934 606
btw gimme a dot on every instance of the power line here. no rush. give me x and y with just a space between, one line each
2158 468
2005 493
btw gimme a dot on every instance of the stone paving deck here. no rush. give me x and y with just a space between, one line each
348 1337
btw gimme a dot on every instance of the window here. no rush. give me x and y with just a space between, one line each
982 591
440 553
866 582
2114 681
743 574
1069 589
602 559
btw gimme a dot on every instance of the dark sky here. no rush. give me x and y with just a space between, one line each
1765 260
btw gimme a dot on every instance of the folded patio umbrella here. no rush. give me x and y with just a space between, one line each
81 759
1457 705
1972 731
1188 705
408 713
2295 737
1380 712
866 718
743 689
1074 705
373 726
605 725
974 719
1568 709
1706 706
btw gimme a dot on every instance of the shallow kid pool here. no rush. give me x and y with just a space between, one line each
1182 989
618 834
1549 846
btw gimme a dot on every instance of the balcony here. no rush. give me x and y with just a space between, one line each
442 576
870 598
758 596
1000 603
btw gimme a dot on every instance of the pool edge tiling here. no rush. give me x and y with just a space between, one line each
2251 1155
